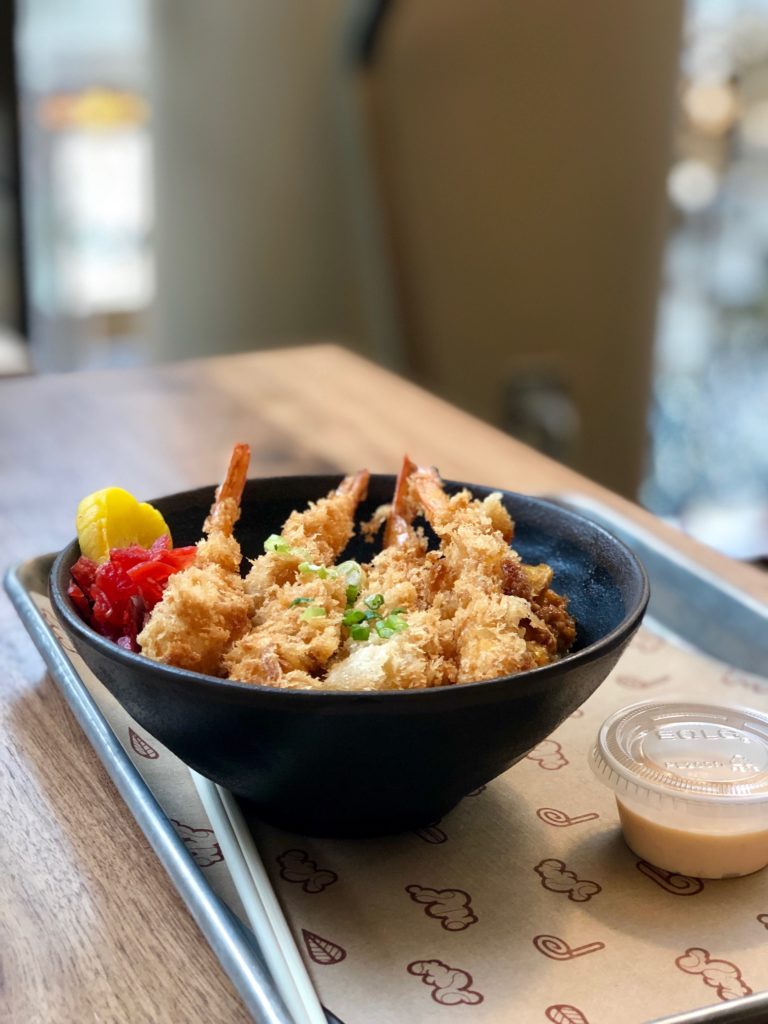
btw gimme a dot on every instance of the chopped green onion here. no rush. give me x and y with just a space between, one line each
277 543
313 612
391 625
372 615
375 601
360 632
353 573
352 570
301 600
316 570
352 617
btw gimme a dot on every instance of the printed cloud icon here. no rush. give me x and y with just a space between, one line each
721 975
557 878
549 755
201 843
450 985
297 866
451 907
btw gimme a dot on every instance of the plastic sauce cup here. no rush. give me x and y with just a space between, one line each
691 785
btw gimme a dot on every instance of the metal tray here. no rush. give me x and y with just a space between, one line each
682 596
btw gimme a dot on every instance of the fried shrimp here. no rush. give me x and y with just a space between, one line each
205 607
400 580
474 535
501 619
404 570
300 597
410 659
316 536
413 616
296 629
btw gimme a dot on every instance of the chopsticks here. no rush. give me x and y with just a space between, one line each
261 906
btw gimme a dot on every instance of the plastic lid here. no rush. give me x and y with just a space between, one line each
689 752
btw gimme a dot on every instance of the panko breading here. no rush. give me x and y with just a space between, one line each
413 659
291 581
202 610
317 535
205 607
283 639
412 617
498 630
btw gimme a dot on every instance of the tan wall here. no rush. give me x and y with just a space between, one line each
522 149
252 234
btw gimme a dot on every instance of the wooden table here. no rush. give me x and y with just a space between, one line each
90 926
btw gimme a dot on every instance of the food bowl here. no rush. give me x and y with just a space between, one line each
368 763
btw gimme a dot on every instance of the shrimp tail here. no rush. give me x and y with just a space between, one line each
427 485
355 485
398 529
225 510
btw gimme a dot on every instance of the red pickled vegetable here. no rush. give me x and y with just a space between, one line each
116 598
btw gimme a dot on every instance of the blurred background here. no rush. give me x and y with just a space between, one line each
555 215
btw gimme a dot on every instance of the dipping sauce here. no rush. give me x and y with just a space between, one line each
691 785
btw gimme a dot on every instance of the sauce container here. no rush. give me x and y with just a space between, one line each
691 785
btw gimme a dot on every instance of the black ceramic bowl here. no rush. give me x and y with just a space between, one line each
353 764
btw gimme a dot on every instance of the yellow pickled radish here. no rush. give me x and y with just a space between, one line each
113 518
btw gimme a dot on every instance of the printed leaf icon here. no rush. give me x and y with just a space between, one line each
563 1013
321 950
141 746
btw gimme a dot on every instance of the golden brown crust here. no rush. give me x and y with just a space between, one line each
203 610
468 611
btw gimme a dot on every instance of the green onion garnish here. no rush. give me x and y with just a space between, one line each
396 622
352 570
352 617
360 632
354 575
313 612
389 626
310 568
375 601
277 543
301 600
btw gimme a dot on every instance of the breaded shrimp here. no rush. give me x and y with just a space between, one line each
474 535
413 658
300 598
296 629
205 607
317 536
403 571
401 577
488 594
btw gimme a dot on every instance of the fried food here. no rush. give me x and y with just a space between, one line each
205 607
414 616
403 577
316 536
299 604
497 630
